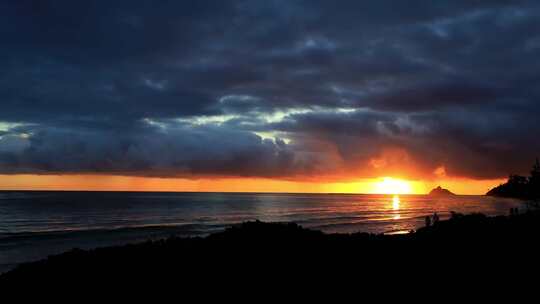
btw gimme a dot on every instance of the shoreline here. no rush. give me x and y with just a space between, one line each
90 221
283 243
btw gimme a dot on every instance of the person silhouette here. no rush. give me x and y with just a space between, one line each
435 218
428 221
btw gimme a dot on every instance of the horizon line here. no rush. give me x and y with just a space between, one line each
219 192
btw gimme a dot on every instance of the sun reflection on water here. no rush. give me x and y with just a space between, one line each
395 202
395 206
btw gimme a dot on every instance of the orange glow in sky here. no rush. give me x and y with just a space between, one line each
383 185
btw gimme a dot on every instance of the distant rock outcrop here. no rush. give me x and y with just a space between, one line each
440 192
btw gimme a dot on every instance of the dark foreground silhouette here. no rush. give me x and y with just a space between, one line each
255 251
519 186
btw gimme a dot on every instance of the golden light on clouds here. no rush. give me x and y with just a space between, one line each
440 172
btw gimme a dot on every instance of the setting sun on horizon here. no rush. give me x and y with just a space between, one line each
382 185
389 185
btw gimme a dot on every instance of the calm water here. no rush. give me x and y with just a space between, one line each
36 224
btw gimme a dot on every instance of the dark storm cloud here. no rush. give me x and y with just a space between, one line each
174 88
149 151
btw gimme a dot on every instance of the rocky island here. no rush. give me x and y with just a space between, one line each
439 191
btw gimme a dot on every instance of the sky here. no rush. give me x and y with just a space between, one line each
276 95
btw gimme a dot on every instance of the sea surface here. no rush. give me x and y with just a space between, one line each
34 225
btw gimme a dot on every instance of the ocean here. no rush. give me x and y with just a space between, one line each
34 225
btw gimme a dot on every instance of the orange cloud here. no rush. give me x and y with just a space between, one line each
440 172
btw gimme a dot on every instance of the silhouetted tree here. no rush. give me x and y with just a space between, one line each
517 180
534 180
520 186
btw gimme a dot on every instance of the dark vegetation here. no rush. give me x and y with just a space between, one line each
519 186
254 251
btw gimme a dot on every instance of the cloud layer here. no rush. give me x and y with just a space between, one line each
286 89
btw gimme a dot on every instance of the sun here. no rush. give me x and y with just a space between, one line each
390 185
